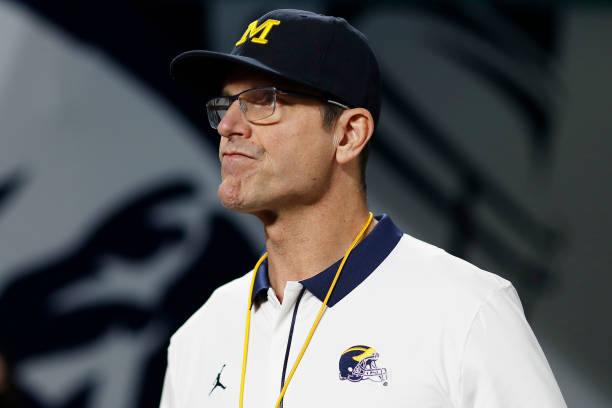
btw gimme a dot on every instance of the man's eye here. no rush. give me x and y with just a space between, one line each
259 97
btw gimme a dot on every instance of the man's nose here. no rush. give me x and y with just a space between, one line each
233 122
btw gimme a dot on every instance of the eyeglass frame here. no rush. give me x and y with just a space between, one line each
232 98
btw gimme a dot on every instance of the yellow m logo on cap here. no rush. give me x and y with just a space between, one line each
253 29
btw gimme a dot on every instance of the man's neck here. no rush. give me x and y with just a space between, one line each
303 242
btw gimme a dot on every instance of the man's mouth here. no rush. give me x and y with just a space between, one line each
236 155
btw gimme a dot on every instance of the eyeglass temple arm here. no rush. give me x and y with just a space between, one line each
337 104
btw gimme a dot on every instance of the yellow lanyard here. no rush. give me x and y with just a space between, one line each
312 329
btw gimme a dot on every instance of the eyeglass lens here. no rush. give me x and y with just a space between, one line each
255 104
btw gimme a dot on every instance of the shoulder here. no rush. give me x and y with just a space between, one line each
431 273
229 299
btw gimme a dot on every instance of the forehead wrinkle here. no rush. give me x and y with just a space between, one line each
250 78
243 79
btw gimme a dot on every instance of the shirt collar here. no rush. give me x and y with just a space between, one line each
261 285
362 261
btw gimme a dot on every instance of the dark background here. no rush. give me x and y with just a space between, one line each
493 144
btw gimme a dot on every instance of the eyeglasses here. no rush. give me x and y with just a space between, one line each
256 104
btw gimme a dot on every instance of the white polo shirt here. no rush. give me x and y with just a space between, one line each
408 325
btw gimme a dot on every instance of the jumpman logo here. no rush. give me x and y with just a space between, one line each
218 381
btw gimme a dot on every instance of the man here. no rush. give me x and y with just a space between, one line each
344 310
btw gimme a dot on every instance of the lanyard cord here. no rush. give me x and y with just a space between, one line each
295 309
312 329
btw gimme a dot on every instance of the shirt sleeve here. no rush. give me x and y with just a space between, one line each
503 364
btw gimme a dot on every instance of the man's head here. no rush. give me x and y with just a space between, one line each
320 56
276 151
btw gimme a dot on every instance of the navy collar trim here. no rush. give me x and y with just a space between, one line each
260 288
362 261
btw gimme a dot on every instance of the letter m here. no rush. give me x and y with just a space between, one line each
252 30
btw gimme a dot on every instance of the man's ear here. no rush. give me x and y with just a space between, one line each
352 132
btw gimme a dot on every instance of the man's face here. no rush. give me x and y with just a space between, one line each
281 163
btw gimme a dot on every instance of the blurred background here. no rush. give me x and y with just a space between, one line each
493 144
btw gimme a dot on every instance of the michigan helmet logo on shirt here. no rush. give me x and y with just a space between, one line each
253 29
358 363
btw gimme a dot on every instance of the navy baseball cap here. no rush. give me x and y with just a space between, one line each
324 53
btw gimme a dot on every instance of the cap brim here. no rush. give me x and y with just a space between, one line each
204 71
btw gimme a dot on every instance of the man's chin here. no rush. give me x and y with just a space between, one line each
234 197
231 197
